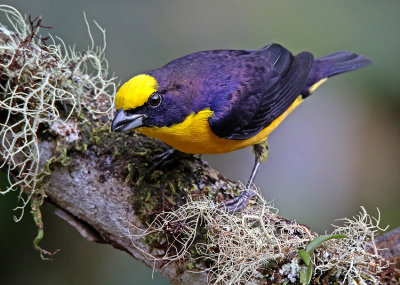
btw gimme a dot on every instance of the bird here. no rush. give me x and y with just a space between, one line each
218 101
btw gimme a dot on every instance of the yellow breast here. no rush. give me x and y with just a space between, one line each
195 136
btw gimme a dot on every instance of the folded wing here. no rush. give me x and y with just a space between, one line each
266 95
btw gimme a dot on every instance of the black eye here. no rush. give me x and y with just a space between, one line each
154 100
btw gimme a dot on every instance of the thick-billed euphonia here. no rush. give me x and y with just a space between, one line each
219 101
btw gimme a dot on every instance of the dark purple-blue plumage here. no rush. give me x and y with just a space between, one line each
247 90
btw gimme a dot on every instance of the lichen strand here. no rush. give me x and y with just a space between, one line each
259 246
43 89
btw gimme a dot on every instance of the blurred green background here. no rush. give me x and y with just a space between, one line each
336 152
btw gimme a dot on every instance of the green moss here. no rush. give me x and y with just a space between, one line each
36 203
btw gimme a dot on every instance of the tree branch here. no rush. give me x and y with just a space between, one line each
99 201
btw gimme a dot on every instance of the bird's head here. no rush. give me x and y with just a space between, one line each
143 102
134 101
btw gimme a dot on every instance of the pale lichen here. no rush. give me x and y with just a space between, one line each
44 86
259 246
356 256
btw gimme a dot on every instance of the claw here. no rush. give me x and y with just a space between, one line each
161 159
164 159
238 203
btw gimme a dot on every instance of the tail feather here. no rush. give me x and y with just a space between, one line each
333 64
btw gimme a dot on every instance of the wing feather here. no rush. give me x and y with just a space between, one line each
266 96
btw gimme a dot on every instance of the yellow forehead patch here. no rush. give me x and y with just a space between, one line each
135 92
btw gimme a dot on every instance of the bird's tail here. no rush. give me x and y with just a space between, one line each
330 65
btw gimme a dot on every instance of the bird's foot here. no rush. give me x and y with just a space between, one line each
238 203
165 159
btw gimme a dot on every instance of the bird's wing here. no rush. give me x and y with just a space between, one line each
263 97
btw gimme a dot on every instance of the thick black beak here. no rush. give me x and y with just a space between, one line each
124 122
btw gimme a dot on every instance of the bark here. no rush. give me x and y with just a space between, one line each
391 241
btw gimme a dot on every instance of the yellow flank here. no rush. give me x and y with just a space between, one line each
194 134
316 85
135 92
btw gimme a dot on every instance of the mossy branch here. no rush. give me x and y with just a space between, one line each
55 143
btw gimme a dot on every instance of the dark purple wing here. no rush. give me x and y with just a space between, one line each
262 94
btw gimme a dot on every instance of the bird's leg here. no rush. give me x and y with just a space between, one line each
238 203
166 158
253 175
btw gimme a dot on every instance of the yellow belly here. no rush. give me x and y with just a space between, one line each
194 135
